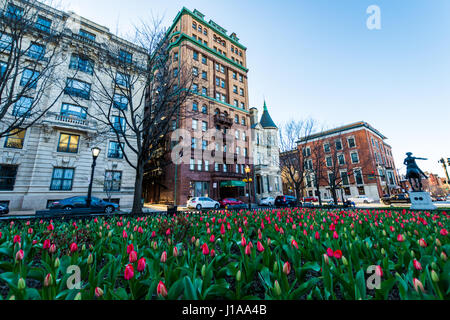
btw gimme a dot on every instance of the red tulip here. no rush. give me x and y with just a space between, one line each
124 234
335 235
422 243
294 243
212 238
222 229
129 272
213 253
444 232
317 235
168 232
19 255
260 246
330 252
175 252
73 247
98 292
141 264
50 227
164 257
400 238
417 265
16 238
161 290
378 271
286 268
140 230
248 250
338 254
205 249
243 241
130 248
46 244
132 256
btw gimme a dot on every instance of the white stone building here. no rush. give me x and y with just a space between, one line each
266 155
52 159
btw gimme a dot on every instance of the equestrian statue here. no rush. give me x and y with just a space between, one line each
413 172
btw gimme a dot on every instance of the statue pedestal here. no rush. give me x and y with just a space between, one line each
421 201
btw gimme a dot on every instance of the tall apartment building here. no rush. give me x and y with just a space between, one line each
266 154
219 101
365 163
52 159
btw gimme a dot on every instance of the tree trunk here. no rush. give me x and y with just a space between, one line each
333 193
318 194
137 204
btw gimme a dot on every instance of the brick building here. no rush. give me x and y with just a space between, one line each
355 156
219 101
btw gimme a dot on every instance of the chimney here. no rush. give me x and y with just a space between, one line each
253 116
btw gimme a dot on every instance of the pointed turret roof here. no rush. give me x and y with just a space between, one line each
266 120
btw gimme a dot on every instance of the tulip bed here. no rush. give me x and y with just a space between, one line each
300 253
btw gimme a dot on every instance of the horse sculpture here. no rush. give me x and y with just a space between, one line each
413 172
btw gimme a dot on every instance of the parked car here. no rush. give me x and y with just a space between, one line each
267 201
224 203
80 202
287 201
310 199
200 203
361 199
440 198
396 198
4 210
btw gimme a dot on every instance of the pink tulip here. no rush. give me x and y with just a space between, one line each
247 250
205 249
129 272
260 247
46 244
130 248
286 268
213 253
444 232
378 271
164 257
16 238
52 248
294 244
73 247
330 252
19 255
417 265
400 238
141 264
422 243
161 290
175 251
132 256
317 235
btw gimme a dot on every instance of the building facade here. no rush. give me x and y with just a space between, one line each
52 159
266 155
219 101
357 155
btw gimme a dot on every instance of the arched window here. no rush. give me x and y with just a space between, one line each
194 25
236 119
195 106
225 114
217 112
204 109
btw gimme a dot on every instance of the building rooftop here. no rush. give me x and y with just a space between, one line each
266 120
359 124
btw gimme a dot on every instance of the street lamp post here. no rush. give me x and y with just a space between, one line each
95 153
247 172
445 167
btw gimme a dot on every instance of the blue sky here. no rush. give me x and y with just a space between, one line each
316 58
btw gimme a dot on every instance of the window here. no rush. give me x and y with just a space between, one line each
217 67
205 31
195 55
114 150
204 59
7 176
195 87
5 41
245 152
216 167
341 159
120 101
206 165
194 71
236 104
241 92
36 51
243 105
68 143
331 179
204 91
195 106
235 89
87 35
62 179
326 147
236 118
358 177
217 96
199 165
193 143
204 126
329 161
43 24
78 88
175 72
234 75
223 98
81 64
123 79
308 164
243 121
119 124
243 136
29 78
344 178
354 156
191 164
204 144
361 191
194 25
113 180
222 83
204 75
204 109
23 107
224 166
72 110
338 144
241 78
306 152
194 124
238 150
125 56
15 139
222 69
14 12
351 142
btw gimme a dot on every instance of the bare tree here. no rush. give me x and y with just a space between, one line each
137 98
30 54
292 162
318 166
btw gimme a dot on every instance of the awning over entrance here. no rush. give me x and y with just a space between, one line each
232 183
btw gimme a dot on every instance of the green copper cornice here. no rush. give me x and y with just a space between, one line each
184 10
